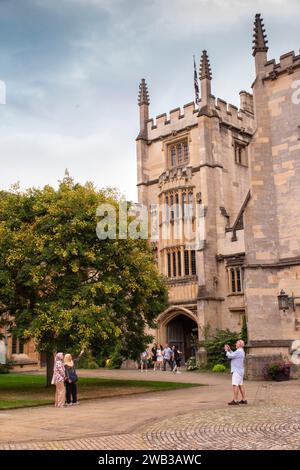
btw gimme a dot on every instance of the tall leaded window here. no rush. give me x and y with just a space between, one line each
240 153
17 346
177 206
169 264
173 155
191 204
179 262
193 262
167 209
238 280
172 206
179 153
174 263
14 344
183 204
186 263
178 266
235 280
186 151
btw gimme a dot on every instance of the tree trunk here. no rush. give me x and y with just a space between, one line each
50 365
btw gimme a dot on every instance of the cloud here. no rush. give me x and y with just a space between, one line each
72 69
39 159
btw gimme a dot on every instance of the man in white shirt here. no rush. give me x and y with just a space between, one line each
168 357
237 370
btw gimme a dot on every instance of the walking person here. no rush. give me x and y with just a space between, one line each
159 358
168 357
58 380
71 379
145 356
237 371
176 359
154 355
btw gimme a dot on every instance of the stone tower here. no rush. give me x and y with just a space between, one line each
272 217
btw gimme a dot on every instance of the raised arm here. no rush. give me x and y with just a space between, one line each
233 354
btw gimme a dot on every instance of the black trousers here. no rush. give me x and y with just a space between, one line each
170 362
71 391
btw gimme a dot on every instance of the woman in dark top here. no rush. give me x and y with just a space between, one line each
71 379
176 359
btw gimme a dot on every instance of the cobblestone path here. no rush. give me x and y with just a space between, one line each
243 427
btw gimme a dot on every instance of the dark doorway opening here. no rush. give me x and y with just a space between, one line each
179 332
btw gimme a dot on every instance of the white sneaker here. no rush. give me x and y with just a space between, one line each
76 403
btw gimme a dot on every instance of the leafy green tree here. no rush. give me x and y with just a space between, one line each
63 286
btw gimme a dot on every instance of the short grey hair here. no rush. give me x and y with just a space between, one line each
242 343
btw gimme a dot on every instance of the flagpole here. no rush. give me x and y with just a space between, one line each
196 83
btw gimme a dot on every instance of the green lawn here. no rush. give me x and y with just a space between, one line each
20 390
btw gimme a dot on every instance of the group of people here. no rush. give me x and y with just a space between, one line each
65 376
65 380
160 356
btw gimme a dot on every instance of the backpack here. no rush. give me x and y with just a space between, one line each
72 376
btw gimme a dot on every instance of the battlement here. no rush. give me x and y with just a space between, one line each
287 64
178 119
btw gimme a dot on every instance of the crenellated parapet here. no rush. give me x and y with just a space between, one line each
287 64
180 119
242 119
176 120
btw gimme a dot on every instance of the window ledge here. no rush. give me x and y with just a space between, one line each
182 279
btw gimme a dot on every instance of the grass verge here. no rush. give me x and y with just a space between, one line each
20 390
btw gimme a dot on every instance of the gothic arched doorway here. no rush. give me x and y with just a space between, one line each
179 332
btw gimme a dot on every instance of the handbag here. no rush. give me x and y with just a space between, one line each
72 376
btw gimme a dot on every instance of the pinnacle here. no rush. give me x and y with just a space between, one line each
205 70
259 37
143 93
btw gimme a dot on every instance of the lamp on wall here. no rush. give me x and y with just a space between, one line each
285 302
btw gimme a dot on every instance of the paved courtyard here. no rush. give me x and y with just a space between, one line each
195 418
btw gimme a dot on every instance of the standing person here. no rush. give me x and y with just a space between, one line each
58 380
168 357
145 360
71 379
159 358
176 359
237 370
154 355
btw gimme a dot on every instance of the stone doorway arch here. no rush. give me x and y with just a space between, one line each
175 326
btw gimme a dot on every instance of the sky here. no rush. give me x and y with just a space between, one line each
72 69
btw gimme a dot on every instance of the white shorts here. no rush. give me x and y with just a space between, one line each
237 379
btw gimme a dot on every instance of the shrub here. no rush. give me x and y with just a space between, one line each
192 364
277 371
5 368
219 368
214 345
